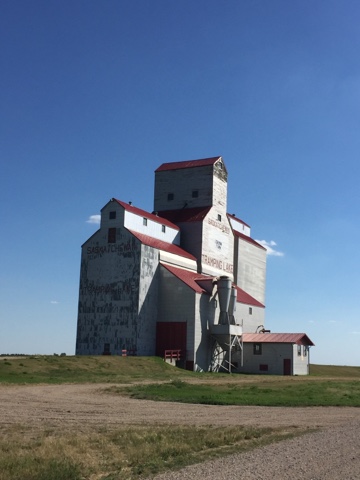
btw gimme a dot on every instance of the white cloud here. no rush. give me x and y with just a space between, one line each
94 219
54 302
270 247
355 333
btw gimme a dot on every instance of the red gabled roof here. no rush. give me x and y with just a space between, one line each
248 239
143 213
161 245
187 276
296 338
187 164
196 214
243 297
192 278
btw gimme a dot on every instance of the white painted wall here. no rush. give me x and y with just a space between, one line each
239 226
152 228
217 245
301 362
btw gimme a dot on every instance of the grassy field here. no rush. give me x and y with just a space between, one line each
52 369
139 451
95 369
151 378
274 393
129 453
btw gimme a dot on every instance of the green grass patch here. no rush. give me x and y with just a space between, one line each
86 369
334 371
276 393
129 453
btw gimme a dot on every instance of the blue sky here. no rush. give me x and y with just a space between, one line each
95 95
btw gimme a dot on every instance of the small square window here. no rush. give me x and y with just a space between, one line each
145 221
195 193
250 310
163 228
112 235
219 217
112 215
263 367
170 196
257 348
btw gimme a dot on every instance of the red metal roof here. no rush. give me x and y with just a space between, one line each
187 276
192 278
248 239
161 245
143 213
187 164
296 338
196 214
243 297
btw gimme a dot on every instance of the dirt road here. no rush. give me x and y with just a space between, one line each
331 453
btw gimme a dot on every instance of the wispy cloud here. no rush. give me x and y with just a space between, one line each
270 247
355 333
95 219
54 302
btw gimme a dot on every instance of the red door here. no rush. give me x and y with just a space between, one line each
287 366
170 336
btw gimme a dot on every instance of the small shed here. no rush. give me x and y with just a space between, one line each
276 353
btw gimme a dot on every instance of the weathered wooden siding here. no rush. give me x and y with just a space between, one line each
273 355
207 313
177 303
250 317
217 245
148 301
191 239
251 269
109 293
181 183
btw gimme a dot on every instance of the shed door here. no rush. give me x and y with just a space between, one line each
170 336
287 366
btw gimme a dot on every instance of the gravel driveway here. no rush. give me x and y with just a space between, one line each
330 453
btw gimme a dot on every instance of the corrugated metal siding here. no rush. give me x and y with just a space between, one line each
298 338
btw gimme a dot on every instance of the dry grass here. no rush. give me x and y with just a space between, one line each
128 453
